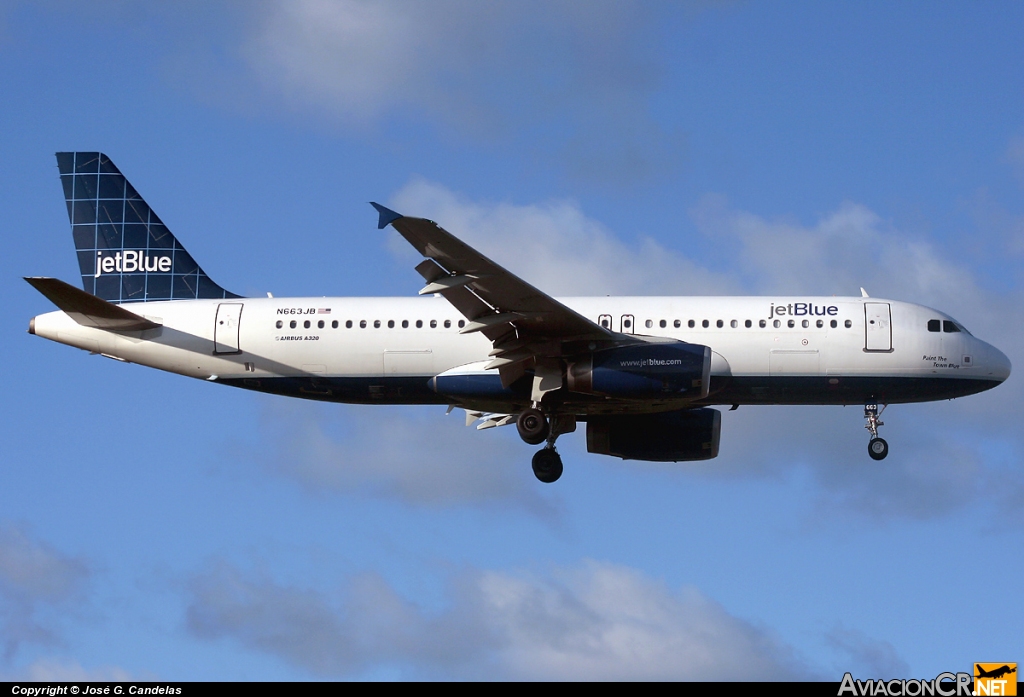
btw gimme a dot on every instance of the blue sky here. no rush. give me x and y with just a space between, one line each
153 526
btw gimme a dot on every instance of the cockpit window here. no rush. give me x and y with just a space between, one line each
949 327
933 325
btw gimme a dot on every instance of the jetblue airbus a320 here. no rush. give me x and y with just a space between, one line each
641 372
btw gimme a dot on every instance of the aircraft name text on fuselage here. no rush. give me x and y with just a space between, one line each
940 362
130 261
802 310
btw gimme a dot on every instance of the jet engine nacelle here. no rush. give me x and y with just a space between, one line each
674 436
649 370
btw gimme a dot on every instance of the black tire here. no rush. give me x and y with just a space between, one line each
547 465
878 448
533 426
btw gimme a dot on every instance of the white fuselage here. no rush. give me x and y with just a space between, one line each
766 350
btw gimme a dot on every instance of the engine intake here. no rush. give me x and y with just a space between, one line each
674 436
651 370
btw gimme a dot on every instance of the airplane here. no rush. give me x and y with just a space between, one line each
995 672
643 373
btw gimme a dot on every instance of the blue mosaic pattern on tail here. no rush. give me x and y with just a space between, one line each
125 252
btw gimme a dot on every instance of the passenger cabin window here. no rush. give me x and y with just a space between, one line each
791 323
462 323
949 327
306 324
820 323
433 324
705 324
805 324
849 323
605 321
280 324
391 324
447 323
662 324
734 324
650 323
833 324
762 323
419 324
320 324
293 324
405 324
362 324
748 324
348 324
719 324
376 324
677 324
934 325
334 324
777 324
690 324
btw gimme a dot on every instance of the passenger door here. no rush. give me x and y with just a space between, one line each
877 327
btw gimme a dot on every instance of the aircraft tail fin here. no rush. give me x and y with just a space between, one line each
125 252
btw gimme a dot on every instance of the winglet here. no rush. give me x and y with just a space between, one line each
387 216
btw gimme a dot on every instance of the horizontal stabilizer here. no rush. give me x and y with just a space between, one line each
87 309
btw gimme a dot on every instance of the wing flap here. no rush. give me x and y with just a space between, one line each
87 309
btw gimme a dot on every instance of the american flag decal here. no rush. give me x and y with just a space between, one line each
324 311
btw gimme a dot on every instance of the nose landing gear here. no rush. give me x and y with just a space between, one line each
877 447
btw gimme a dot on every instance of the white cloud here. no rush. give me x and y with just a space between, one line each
357 58
413 454
361 58
594 622
33 578
869 657
843 251
557 248
498 70
59 670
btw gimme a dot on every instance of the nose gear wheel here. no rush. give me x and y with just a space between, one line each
877 447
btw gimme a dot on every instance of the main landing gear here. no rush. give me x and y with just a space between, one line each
547 465
534 428
877 447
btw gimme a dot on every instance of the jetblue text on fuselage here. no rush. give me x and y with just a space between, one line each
130 261
802 310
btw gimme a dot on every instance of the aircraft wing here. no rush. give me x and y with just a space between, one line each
523 323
